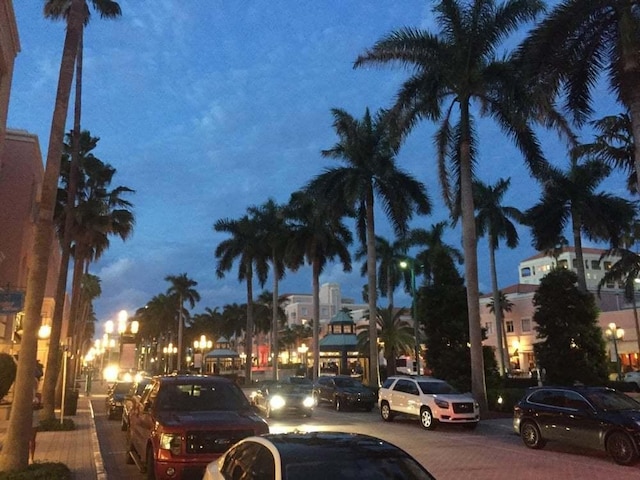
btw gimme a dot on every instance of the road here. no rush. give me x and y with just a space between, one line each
491 451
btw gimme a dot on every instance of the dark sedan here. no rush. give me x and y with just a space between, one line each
282 398
343 392
590 417
315 456
115 398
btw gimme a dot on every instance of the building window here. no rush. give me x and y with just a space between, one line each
526 324
526 272
595 264
574 262
304 311
563 264
324 312
607 266
509 326
488 326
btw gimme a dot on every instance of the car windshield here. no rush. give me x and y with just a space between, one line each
436 387
612 401
346 382
199 397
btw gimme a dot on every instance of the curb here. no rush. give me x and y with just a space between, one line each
101 474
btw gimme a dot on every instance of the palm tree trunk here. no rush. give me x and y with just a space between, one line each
374 371
576 222
248 347
470 246
14 454
497 306
180 328
316 318
637 324
52 369
274 322
390 287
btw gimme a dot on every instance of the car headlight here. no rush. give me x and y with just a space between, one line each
308 402
277 402
442 403
171 442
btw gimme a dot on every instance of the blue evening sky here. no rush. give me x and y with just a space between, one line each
208 107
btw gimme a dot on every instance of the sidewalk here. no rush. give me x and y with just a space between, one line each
78 449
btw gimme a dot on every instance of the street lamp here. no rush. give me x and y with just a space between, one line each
614 334
410 263
302 350
200 345
169 351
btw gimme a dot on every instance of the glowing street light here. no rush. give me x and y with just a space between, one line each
302 350
202 344
410 264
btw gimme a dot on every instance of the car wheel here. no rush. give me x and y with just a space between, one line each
385 412
530 434
620 447
338 404
426 418
151 465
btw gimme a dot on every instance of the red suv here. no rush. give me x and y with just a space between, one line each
183 422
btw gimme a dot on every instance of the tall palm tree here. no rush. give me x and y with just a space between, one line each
318 236
247 246
577 42
571 197
394 332
234 320
389 274
495 220
432 246
626 271
459 66
368 149
276 235
183 288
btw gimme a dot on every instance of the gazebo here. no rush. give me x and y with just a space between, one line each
222 358
340 343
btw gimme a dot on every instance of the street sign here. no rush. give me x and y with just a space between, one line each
11 302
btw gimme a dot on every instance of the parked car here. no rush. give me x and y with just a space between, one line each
633 377
429 399
590 417
131 399
343 392
185 422
316 456
285 397
115 399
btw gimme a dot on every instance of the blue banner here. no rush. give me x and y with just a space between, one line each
11 302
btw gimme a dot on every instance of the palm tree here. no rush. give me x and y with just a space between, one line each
614 145
459 65
182 287
318 236
14 454
395 333
505 306
579 41
389 273
571 197
246 244
626 271
494 220
234 320
368 148
432 246
276 235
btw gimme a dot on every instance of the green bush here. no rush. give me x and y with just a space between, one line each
54 425
509 395
7 374
39 471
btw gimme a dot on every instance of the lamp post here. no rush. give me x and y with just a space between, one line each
302 350
410 263
198 358
614 334
169 351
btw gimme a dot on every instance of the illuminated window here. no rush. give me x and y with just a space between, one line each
563 264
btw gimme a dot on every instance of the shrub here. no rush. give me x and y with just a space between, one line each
7 373
509 395
39 471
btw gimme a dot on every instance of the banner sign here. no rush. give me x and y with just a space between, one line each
11 302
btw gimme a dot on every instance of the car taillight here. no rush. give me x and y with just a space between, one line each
171 442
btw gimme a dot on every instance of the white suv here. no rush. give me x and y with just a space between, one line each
633 377
430 399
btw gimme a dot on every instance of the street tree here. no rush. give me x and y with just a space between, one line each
368 149
182 288
457 73
569 347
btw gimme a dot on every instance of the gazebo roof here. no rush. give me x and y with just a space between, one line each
334 342
341 317
222 353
